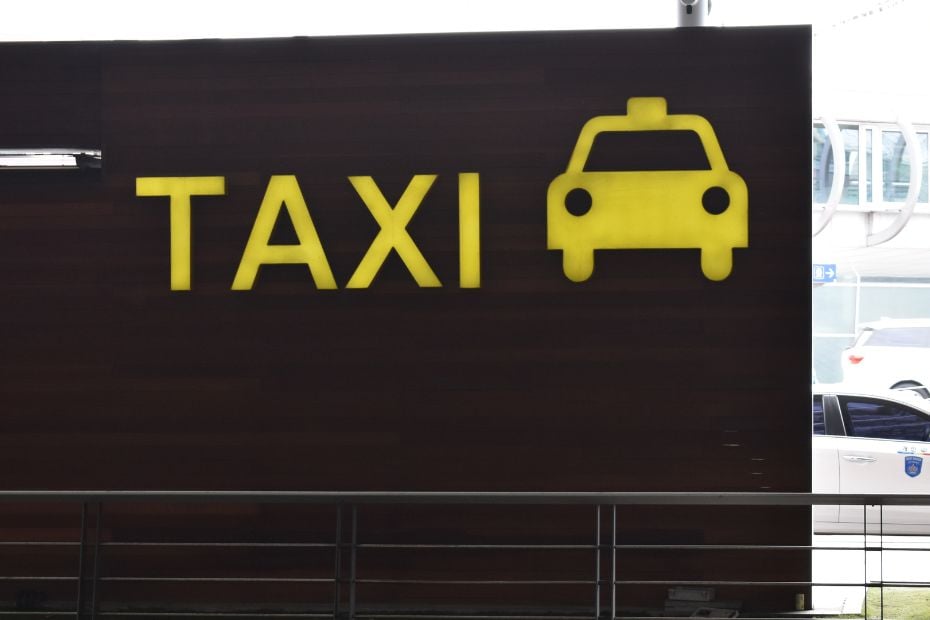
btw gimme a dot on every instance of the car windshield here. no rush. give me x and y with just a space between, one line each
899 337
621 151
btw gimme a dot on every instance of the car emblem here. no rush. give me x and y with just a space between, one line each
913 465
667 209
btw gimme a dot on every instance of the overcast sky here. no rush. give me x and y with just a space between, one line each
869 55
178 19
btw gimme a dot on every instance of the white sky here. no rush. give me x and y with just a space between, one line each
869 55
178 19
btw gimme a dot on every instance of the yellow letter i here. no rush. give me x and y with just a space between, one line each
469 231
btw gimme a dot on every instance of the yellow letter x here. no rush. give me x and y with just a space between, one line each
393 233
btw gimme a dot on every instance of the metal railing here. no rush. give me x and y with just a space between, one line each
91 545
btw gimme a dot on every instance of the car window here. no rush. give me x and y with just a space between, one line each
899 337
876 419
819 428
617 151
863 337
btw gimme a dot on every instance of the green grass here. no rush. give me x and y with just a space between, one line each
898 604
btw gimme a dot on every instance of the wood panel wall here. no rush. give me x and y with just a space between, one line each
646 377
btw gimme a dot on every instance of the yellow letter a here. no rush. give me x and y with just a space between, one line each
283 191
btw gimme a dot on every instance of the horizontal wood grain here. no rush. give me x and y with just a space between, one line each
646 377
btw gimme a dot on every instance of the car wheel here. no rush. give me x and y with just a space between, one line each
578 264
716 263
912 385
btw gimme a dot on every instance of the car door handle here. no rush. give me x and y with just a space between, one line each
855 458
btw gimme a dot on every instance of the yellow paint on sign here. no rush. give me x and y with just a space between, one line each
393 234
283 191
469 231
648 209
180 190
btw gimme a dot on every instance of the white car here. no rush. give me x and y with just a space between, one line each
870 443
890 353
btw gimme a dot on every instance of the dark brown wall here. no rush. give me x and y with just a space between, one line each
646 377
633 380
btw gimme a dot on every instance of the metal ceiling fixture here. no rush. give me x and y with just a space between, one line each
51 159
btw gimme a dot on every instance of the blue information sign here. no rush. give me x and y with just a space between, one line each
823 273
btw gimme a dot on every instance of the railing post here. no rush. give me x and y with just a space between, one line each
80 585
597 561
352 562
96 573
865 556
337 569
613 562
881 561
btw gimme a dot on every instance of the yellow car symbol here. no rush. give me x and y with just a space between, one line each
648 209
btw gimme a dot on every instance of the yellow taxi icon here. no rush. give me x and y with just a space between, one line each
705 209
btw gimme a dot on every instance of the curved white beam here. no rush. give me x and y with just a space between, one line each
838 148
913 190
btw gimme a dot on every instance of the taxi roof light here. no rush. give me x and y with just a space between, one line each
647 107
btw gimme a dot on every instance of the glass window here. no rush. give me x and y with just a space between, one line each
822 164
875 419
899 337
896 166
836 309
880 302
827 354
869 195
817 408
923 153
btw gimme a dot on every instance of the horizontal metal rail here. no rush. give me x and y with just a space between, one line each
141 579
478 547
43 614
39 578
230 545
389 616
483 582
468 498
345 577
38 543
208 614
